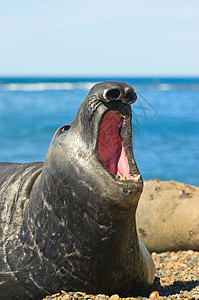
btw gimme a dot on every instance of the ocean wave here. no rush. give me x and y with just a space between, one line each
44 86
167 87
86 85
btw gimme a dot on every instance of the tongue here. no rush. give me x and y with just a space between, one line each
110 146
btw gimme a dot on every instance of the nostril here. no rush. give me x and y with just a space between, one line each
130 97
113 94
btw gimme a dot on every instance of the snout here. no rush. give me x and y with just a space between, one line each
125 94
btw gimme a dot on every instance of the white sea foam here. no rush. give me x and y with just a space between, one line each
165 87
86 85
44 86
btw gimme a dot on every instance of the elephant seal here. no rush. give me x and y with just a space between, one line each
168 216
69 223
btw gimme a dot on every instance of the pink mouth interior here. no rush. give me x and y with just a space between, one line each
110 146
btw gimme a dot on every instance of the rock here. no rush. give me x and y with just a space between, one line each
114 297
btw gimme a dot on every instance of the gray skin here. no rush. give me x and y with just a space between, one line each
69 223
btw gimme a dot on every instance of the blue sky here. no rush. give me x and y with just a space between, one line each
106 37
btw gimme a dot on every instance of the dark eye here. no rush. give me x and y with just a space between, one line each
64 128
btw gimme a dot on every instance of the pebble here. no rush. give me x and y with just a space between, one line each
154 294
177 278
114 297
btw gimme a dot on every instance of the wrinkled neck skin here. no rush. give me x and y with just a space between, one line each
82 220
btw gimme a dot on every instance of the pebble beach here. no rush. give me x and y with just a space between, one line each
177 277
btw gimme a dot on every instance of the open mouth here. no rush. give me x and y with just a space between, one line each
111 148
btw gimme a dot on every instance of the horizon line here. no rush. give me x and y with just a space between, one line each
98 76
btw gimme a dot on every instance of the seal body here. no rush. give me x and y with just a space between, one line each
69 223
168 216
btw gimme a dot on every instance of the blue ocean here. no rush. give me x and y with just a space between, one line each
165 121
